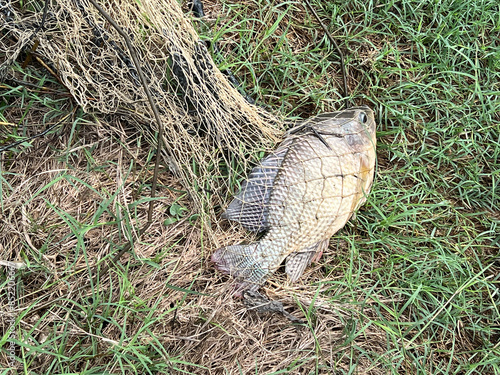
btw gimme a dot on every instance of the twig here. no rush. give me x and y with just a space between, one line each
341 55
44 17
30 54
32 87
49 69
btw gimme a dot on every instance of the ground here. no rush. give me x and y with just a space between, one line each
410 286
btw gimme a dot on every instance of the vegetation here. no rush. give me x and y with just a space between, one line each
410 286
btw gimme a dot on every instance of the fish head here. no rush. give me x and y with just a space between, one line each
356 124
221 262
354 120
239 262
363 119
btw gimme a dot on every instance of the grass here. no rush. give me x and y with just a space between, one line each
410 286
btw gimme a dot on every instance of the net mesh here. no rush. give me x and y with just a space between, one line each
208 124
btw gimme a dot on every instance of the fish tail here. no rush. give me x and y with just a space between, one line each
240 261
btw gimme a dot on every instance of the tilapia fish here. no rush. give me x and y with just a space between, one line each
300 195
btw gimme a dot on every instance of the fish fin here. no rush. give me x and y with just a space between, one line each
320 248
250 206
297 262
240 262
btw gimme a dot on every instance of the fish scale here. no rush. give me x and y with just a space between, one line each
300 195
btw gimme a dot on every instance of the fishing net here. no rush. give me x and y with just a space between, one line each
208 123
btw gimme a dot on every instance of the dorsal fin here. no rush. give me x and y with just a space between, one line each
250 206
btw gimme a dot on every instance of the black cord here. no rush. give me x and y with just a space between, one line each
44 17
341 55
17 143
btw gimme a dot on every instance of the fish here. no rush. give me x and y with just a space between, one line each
300 195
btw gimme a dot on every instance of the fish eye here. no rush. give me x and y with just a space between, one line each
363 117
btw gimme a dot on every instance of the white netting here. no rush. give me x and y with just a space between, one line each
208 124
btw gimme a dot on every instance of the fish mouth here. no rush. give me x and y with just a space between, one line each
220 263
240 285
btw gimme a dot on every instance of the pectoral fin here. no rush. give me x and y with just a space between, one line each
297 262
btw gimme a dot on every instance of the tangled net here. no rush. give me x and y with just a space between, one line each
207 123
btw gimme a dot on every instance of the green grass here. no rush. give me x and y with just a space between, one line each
420 265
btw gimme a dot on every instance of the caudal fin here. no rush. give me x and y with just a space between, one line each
240 262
